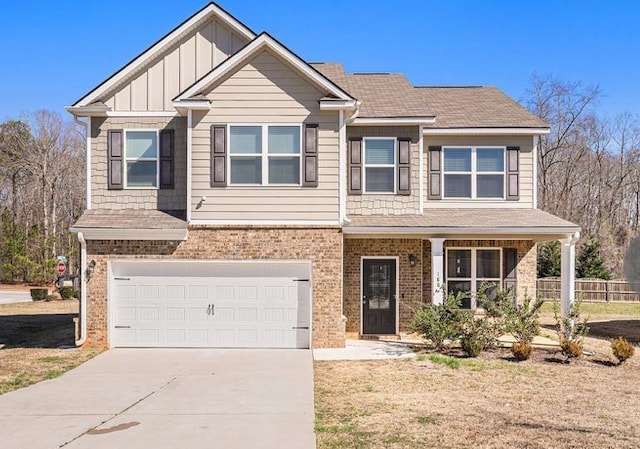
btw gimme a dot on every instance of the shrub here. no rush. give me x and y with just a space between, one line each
39 294
571 329
439 322
67 292
521 350
478 334
571 349
523 321
622 349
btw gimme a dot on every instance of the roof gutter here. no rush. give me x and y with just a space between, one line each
399 121
453 231
131 234
482 131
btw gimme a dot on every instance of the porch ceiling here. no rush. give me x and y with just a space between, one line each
532 224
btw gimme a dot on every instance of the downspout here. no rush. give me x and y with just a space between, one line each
342 160
87 129
189 161
83 290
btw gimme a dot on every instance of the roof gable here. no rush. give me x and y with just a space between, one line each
263 42
207 13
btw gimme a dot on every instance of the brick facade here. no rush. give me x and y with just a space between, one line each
323 246
415 282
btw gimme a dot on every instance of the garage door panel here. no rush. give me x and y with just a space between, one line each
234 311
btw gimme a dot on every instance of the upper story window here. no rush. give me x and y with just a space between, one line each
264 154
474 172
141 159
379 165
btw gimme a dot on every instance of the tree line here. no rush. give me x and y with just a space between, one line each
42 190
588 173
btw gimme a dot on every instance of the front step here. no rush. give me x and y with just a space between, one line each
379 337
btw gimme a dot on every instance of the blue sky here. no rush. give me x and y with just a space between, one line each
56 51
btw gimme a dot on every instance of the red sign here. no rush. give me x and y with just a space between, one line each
61 267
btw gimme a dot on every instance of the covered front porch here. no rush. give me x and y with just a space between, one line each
393 264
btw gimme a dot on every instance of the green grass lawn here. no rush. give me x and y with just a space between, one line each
594 309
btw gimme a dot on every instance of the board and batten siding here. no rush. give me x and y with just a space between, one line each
184 62
388 204
263 91
160 199
525 174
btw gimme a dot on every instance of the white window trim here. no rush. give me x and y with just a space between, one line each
264 155
474 172
142 159
365 165
474 265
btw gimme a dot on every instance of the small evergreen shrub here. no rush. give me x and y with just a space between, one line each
571 330
522 350
39 294
622 349
439 323
571 349
67 292
478 334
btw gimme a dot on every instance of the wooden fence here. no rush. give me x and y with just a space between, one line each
596 290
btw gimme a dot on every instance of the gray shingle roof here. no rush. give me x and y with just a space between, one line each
127 219
461 219
388 95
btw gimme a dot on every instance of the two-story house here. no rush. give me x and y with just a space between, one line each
239 196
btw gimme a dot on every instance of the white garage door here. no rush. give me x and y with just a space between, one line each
207 304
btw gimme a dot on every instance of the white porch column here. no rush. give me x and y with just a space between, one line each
437 270
568 273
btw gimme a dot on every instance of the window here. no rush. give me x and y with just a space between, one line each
141 156
264 154
379 165
474 172
468 269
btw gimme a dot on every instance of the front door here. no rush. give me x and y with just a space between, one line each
379 296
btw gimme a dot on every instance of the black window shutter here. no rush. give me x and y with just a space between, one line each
510 263
355 166
167 159
435 172
513 173
218 155
115 159
310 156
404 166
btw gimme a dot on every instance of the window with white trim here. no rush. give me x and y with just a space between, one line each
474 172
468 269
141 158
264 154
379 165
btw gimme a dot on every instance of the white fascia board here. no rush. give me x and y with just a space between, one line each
337 105
456 232
184 106
373 121
205 13
259 43
482 131
200 222
88 111
131 234
98 111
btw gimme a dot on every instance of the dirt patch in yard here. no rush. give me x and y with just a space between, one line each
37 341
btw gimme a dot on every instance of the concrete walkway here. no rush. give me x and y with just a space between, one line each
366 350
162 398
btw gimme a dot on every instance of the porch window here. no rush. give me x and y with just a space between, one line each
141 156
468 269
379 165
265 154
474 172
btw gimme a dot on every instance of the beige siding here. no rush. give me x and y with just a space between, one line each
387 204
187 60
526 169
165 199
266 91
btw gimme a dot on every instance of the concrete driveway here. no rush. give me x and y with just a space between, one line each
11 296
168 398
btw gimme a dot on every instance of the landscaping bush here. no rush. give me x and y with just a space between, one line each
67 292
39 294
441 322
622 349
478 334
571 330
522 351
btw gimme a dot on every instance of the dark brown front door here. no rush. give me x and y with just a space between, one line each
379 296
